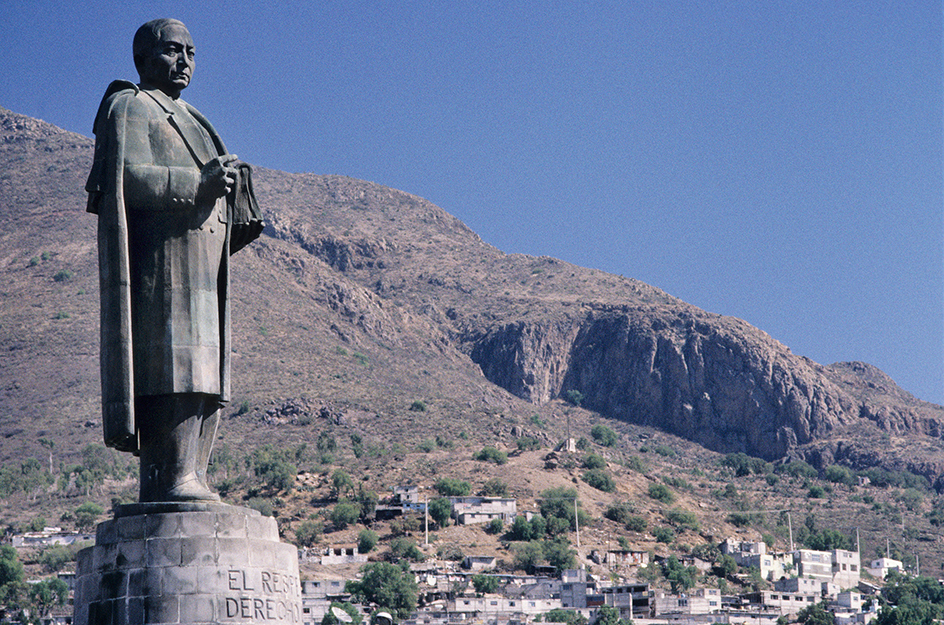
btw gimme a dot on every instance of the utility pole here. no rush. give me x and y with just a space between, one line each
790 527
426 520
577 522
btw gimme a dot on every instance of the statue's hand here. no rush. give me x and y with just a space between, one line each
217 177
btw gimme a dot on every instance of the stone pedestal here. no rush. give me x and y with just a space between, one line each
187 564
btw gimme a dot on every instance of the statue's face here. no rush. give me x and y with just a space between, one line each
169 66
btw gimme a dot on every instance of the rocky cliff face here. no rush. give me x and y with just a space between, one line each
713 380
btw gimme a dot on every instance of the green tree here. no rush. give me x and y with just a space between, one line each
440 509
609 615
405 549
11 569
47 594
558 503
341 483
87 514
839 475
344 514
351 610
559 554
574 397
528 555
681 577
366 541
570 617
495 526
727 566
367 501
594 461
816 614
452 487
386 586
485 584
604 435
54 558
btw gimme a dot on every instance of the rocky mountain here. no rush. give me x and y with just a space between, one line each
360 300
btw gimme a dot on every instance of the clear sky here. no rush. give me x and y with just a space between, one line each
780 162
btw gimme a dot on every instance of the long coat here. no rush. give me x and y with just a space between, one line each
163 258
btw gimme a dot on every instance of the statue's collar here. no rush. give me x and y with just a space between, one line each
169 104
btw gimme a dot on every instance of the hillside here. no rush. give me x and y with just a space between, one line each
368 311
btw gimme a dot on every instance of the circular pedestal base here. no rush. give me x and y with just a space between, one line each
187 563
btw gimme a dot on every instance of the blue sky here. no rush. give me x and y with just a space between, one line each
780 162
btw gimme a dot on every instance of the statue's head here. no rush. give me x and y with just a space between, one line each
163 55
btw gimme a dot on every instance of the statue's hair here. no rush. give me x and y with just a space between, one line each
147 35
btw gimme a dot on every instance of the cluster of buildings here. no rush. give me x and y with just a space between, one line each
800 578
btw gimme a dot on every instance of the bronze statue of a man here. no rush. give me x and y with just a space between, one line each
168 197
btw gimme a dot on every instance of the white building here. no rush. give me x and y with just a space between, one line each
883 566
469 510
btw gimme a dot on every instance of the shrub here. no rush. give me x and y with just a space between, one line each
418 406
491 454
664 451
569 617
600 480
484 584
452 487
682 518
86 515
594 461
636 524
619 512
344 514
744 464
816 492
528 443
405 549
494 488
558 503
308 533
739 519
366 541
262 506
635 463
495 526
664 534
574 397
63 275
797 468
603 435
661 492
839 475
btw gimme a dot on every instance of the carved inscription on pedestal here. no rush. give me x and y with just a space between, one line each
261 596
